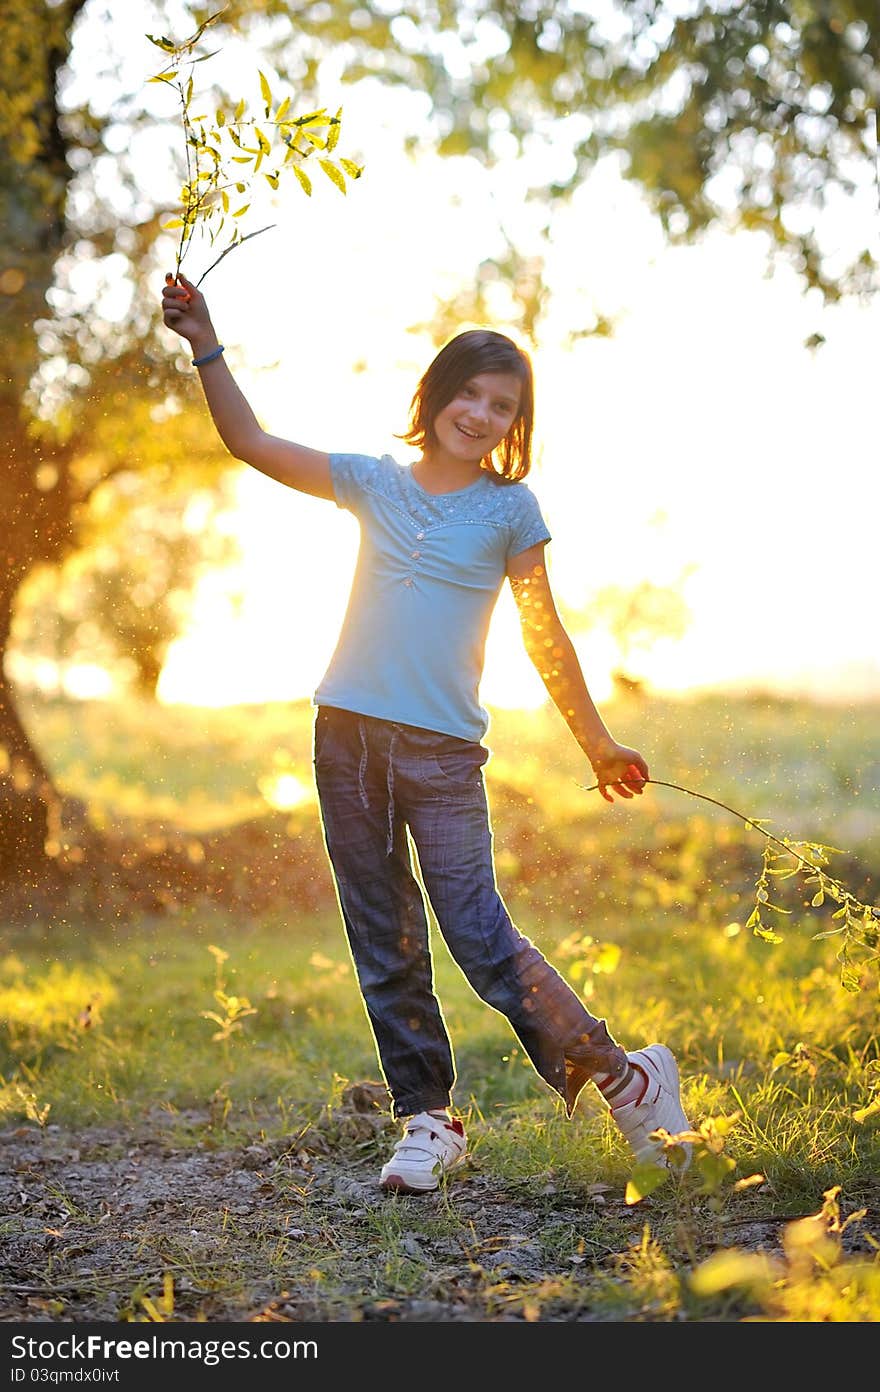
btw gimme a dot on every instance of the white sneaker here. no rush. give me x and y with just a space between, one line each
659 1109
431 1145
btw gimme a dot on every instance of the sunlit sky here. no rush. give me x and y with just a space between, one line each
702 445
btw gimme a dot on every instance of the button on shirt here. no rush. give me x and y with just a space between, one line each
429 572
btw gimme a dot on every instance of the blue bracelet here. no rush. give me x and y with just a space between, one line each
209 357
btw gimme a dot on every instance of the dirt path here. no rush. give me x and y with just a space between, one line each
95 1222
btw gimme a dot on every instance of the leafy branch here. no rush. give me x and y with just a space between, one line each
708 1161
857 922
225 151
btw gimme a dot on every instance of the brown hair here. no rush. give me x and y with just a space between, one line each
463 357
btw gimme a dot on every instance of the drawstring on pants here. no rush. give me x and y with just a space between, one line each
362 769
362 731
390 782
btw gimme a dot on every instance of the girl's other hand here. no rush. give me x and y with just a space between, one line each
185 310
620 769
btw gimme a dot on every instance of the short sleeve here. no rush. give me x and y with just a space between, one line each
350 475
528 525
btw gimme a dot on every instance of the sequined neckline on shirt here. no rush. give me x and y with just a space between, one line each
440 497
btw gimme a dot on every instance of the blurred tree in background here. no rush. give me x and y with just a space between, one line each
637 617
752 115
121 597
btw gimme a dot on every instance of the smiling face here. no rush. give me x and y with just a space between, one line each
477 419
474 406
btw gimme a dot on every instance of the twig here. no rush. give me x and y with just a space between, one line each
757 825
239 243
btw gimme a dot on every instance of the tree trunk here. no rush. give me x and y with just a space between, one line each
29 805
34 177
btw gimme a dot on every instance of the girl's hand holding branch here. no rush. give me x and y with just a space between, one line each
185 310
620 768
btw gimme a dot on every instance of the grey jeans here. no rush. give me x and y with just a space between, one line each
376 778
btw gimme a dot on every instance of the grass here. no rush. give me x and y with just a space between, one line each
643 907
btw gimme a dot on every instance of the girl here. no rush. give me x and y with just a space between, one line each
398 737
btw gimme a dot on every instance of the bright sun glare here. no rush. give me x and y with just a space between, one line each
702 440
672 452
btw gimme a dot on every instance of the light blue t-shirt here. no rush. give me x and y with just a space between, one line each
429 572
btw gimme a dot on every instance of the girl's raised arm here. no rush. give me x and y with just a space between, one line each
185 310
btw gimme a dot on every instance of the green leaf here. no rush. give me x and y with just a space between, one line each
643 1181
766 934
335 128
818 898
266 91
167 45
863 1113
333 174
304 179
311 117
731 1268
714 1169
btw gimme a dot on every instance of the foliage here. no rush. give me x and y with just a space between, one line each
235 1008
710 1163
860 928
35 39
811 1279
858 923
753 115
758 114
216 141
